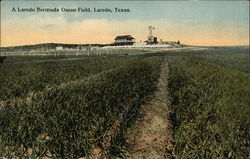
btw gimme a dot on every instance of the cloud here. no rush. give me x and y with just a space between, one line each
46 28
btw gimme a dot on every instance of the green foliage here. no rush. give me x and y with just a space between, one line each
18 80
211 113
69 121
29 59
237 59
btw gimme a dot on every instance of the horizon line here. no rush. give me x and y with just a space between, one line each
111 43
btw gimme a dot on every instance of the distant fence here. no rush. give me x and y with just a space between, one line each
95 51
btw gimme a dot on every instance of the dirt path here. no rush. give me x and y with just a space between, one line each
151 138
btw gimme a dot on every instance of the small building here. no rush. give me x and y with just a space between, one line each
124 40
59 48
152 40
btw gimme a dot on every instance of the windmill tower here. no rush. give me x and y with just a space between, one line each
151 28
151 38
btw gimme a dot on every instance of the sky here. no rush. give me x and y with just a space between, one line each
203 23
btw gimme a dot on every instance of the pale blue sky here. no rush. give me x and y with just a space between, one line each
233 11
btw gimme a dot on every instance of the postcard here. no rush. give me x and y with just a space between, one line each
124 79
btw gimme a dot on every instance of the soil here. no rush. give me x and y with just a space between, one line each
151 137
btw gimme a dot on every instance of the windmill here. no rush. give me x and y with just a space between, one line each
151 28
151 38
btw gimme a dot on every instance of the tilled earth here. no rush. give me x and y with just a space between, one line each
151 137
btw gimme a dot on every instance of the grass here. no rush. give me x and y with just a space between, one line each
234 58
68 122
18 80
211 113
237 59
22 59
210 90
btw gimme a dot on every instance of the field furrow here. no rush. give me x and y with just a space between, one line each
22 79
69 121
32 95
210 110
184 103
151 137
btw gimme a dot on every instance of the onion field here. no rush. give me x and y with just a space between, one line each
90 106
211 111
21 79
69 121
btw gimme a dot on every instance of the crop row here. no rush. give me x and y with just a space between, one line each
234 58
18 80
26 59
237 59
68 122
211 113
